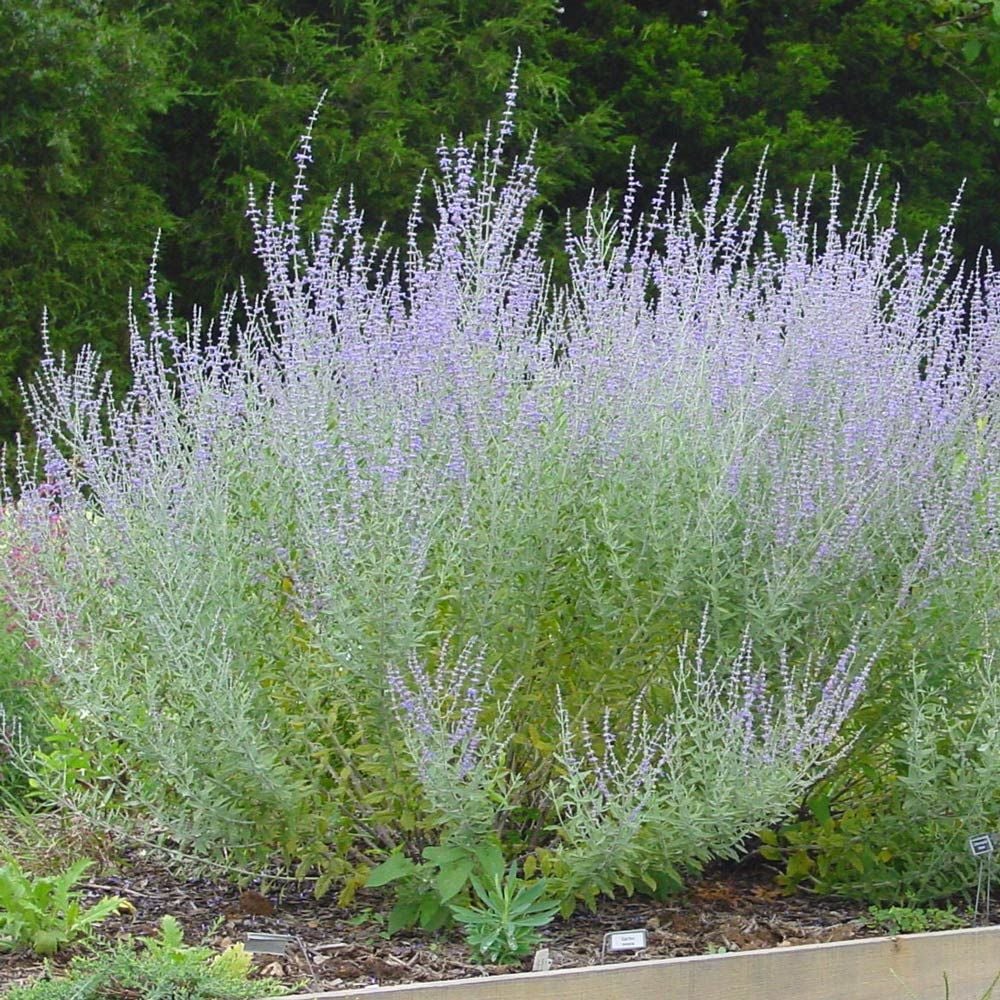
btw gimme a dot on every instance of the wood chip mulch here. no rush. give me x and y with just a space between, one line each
729 909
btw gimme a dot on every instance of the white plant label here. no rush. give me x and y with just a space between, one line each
625 941
981 844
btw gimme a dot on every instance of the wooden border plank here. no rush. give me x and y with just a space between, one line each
907 967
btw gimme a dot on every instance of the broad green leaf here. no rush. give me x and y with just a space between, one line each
799 864
971 50
403 916
394 867
819 806
491 860
442 856
452 879
432 915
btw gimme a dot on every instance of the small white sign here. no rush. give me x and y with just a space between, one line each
542 961
981 845
625 941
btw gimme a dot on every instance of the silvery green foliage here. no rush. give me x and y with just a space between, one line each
946 788
460 761
728 757
223 567
10 735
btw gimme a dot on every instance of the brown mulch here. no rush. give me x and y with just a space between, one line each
730 909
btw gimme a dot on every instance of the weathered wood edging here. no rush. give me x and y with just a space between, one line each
907 967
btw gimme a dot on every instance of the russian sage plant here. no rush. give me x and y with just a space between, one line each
460 762
911 834
726 758
793 427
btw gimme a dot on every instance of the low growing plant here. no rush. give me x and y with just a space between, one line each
426 890
70 757
423 890
913 919
501 926
44 912
165 969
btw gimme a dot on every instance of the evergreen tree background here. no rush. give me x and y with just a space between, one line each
124 117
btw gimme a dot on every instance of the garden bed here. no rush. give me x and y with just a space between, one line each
494 593
918 967
730 909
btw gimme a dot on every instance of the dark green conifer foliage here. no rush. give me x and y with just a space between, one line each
79 80
122 117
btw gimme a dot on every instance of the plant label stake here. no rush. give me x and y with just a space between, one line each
542 961
623 941
268 944
982 846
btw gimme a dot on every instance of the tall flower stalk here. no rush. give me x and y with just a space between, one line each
460 759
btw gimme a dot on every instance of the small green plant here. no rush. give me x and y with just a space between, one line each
366 916
717 949
433 893
913 919
44 913
70 760
166 969
425 890
504 928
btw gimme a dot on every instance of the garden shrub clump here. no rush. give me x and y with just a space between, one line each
423 551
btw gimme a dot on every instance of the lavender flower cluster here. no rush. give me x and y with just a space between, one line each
727 757
460 759
839 382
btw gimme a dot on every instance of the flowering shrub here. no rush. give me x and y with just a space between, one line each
461 766
792 430
727 759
